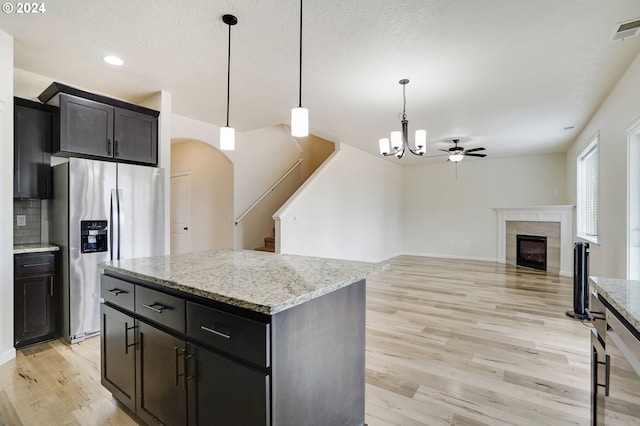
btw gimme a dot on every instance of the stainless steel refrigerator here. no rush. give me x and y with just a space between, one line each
101 211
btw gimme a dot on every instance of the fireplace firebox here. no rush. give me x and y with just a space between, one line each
531 251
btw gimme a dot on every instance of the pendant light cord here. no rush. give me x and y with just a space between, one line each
300 82
228 74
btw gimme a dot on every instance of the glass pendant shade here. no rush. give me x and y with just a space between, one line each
456 157
396 140
299 121
421 139
227 138
384 146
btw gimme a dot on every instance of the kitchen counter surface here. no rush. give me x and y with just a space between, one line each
263 282
622 295
34 248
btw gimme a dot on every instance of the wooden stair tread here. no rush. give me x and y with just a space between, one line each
269 249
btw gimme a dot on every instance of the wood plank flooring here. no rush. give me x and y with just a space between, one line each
449 342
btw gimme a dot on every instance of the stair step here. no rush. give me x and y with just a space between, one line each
269 249
269 242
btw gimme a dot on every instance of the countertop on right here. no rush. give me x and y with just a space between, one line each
622 295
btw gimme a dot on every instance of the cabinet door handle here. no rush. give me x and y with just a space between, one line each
51 285
34 265
607 374
108 146
158 309
127 345
180 353
116 291
115 144
216 332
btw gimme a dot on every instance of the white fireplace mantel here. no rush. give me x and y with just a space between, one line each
562 214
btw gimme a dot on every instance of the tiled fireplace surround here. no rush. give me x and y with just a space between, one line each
553 222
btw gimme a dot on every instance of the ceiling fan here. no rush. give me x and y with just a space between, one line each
457 153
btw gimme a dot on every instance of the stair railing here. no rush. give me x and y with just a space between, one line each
271 188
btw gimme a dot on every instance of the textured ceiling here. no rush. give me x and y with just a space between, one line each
505 74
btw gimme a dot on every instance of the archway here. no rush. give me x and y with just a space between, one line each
208 215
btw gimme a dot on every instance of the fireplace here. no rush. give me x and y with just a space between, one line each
531 251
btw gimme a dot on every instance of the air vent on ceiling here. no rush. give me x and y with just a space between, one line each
626 30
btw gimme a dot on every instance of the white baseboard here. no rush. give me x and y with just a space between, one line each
450 256
7 355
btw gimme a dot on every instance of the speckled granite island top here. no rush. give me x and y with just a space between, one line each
623 295
263 282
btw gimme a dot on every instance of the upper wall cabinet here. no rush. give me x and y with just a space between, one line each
99 127
33 129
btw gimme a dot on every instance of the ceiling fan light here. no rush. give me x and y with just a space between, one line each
299 122
456 157
396 140
421 139
227 138
384 146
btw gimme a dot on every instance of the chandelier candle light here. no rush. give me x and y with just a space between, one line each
228 134
400 139
300 115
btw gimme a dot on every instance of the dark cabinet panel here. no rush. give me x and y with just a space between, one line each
225 392
136 137
86 127
34 298
118 355
161 380
99 130
32 149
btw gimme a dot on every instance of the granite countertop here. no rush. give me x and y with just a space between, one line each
34 248
263 282
623 295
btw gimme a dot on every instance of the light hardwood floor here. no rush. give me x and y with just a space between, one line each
448 343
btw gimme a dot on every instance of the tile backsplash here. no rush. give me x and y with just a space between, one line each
31 232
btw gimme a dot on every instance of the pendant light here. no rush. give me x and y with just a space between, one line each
300 115
400 138
228 134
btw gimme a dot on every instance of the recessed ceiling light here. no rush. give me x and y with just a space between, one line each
113 60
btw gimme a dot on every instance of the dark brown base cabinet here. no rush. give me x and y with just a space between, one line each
199 363
34 298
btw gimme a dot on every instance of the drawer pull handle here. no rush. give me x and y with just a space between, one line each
156 307
34 265
116 291
216 332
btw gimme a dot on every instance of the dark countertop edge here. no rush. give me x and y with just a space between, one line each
34 248
252 306
615 305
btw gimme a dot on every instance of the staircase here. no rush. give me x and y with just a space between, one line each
269 245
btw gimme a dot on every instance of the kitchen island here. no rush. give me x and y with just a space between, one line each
614 308
235 337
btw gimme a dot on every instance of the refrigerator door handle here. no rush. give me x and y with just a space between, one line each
118 231
114 230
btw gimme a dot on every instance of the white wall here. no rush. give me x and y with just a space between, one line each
7 351
350 208
211 176
619 110
260 158
445 216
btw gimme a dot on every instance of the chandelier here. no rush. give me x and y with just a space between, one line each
399 141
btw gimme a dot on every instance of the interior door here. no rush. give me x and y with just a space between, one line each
180 213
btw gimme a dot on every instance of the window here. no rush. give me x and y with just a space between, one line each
587 186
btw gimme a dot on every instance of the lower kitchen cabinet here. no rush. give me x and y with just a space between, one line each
224 392
161 381
34 298
118 361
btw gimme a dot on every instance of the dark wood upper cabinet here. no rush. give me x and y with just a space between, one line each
95 126
33 129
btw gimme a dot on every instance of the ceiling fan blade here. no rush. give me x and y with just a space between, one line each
474 149
445 150
475 155
437 155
